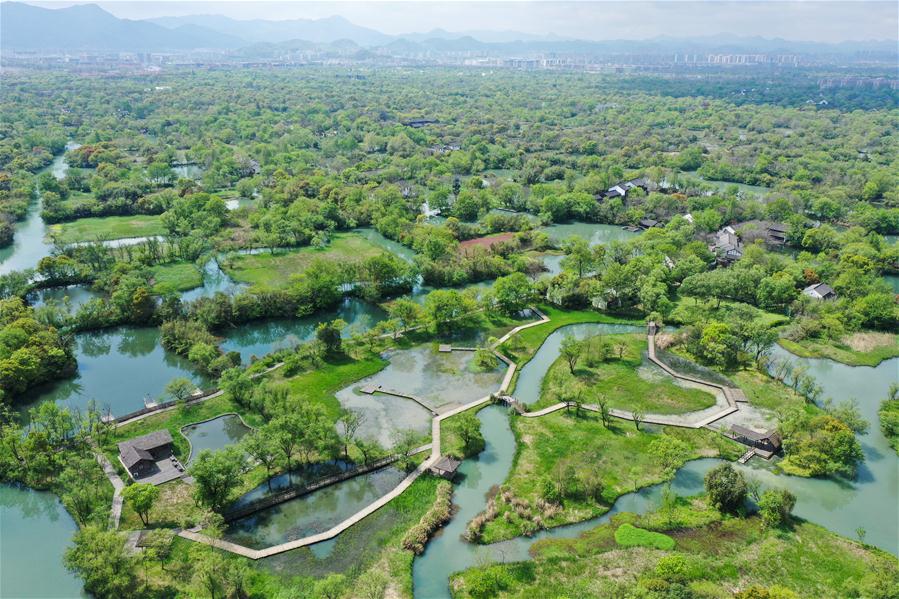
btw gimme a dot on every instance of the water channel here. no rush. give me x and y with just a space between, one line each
868 502
29 244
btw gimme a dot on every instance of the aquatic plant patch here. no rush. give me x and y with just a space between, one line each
629 535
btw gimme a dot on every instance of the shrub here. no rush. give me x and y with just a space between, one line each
628 535
726 488
440 513
776 506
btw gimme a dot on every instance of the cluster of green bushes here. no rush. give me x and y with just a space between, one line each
417 537
31 352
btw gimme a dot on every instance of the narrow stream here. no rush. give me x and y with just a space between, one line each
868 502
29 244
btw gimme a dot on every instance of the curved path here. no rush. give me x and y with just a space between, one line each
698 419
725 399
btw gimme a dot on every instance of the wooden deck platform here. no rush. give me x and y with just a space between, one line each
417 400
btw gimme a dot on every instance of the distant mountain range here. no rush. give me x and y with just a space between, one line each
321 31
89 27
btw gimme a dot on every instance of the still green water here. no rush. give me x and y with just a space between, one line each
440 380
595 233
723 185
34 532
118 368
214 434
265 336
313 513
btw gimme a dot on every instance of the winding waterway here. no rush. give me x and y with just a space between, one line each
29 244
869 502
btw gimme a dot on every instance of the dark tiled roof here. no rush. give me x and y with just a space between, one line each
137 449
447 464
752 435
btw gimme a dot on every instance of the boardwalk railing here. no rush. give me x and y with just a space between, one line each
250 508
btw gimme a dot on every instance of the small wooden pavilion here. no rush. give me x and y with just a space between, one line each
446 467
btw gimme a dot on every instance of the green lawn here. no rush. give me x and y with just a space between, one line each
713 558
620 383
176 276
620 456
108 227
522 347
860 349
77 198
320 385
274 270
691 310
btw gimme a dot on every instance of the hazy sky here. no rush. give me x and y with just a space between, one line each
797 20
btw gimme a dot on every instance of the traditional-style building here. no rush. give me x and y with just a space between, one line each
820 291
140 455
446 467
727 246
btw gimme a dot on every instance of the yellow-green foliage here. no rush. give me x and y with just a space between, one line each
629 535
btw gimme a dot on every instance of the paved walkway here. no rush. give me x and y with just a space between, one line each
690 420
725 401
190 402
115 515
195 535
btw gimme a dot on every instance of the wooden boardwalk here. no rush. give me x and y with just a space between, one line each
294 492
730 394
399 394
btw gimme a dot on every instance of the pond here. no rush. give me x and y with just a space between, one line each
440 380
29 244
595 233
530 378
393 247
73 296
313 513
723 185
118 368
259 338
188 171
215 434
36 532
892 281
